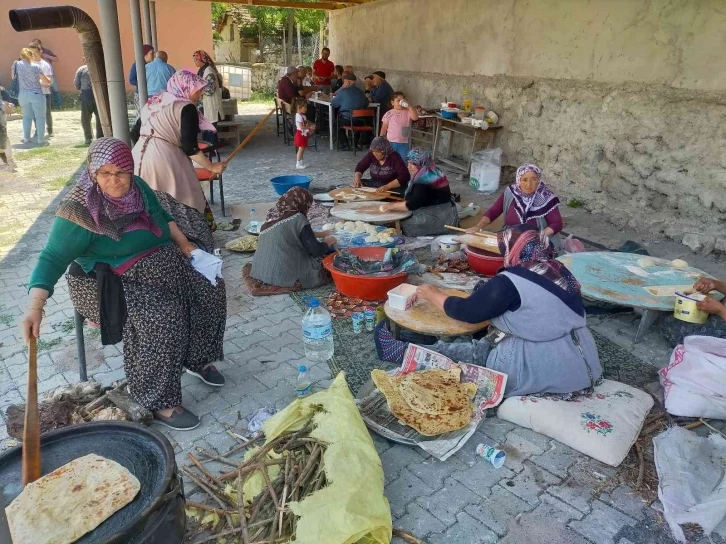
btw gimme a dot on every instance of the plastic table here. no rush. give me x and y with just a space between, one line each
617 278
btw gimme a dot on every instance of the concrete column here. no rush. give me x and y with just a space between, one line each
139 51
154 37
146 20
111 41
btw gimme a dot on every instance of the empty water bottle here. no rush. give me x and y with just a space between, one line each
404 104
253 222
304 383
317 332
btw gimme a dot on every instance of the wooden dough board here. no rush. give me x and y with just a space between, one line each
425 318
479 242
366 211
351 194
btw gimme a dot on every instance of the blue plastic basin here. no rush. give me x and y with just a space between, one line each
448 114
282 184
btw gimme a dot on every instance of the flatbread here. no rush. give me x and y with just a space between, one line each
432 402
74 499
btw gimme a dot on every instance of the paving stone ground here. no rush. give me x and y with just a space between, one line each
546 493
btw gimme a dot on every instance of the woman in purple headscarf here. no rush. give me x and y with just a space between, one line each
129 272
528 201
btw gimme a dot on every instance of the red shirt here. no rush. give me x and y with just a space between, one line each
323 68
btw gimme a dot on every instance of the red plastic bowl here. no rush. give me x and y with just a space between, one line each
365 287
483 262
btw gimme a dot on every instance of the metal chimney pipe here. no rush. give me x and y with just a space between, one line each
23 20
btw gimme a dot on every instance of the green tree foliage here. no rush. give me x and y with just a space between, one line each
269 20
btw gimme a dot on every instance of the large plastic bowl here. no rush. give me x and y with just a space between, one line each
365 287
447 114
282 184
483 262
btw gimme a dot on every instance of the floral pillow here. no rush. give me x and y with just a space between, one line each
603 425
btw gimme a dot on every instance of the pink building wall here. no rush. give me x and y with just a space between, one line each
183 26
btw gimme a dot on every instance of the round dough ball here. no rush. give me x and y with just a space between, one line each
340 225
328 226
679 263
371 239
646 261
349 227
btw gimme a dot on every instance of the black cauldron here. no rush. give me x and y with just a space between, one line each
155 516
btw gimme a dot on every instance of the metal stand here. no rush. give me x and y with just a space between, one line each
80 345
646 321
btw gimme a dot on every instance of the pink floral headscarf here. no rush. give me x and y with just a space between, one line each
179 88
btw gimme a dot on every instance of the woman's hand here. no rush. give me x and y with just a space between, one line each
30 325
382 189
186 248
712 306
387 207
357 182
428 292
482 223
218 167
323 233
331 240
705 286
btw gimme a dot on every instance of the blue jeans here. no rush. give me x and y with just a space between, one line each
33 105
401 149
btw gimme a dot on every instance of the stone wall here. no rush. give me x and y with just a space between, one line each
631 130
265 77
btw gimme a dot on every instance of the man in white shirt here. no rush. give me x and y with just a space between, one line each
47 72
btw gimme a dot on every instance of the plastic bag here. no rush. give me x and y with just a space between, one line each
486 167
573 245
695 379
691 482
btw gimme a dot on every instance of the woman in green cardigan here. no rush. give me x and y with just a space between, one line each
129 271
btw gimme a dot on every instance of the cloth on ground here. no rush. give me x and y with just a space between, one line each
207 265
258 288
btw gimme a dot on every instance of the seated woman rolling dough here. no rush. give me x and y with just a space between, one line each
130 272
387 168
674 330
538 334
528 201
428 196
288 252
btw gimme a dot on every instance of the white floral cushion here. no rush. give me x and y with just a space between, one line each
603 425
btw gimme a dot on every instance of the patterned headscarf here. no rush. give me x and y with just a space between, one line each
428 173
381 145
88 206
537 204
294 201
529 248
203 57
179 88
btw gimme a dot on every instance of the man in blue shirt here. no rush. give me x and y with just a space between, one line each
158 73
348 98
381 91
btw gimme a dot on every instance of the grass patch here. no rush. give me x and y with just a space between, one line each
65 326
36 152
574 203
58 183
45 345
6 319
260 97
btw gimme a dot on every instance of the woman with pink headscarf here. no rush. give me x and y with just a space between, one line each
167 144
529 201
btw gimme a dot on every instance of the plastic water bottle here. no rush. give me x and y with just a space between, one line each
317 332
253 223
304 383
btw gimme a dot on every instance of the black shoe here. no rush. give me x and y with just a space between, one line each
180 419
210 376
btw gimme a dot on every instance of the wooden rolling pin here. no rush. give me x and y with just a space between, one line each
489 235
31 432
249 137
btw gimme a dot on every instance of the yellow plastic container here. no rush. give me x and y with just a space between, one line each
686 309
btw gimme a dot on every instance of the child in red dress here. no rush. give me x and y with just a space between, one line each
303 128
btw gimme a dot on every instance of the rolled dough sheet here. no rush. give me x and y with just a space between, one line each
667 290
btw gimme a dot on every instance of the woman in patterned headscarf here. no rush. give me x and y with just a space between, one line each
212 95
168 136
538 334
387 169
129 272
288 251
428 196
528 201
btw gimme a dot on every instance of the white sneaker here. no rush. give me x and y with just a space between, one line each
300 165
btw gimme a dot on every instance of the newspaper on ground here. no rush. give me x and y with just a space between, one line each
375 412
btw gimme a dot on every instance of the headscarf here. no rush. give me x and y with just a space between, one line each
537 204
203 57
526 246
89 207
428 173
179 88
381 145
294 201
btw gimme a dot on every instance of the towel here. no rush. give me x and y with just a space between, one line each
207 265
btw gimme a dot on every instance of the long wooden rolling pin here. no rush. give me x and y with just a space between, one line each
249 137
490 235
31 432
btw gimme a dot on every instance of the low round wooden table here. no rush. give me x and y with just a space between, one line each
369 212
425 318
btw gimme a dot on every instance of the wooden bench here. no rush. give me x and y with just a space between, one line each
230 130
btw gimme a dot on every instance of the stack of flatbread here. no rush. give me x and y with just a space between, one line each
431 401
74 499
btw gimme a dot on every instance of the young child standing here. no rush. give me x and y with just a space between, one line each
396 125
303 128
